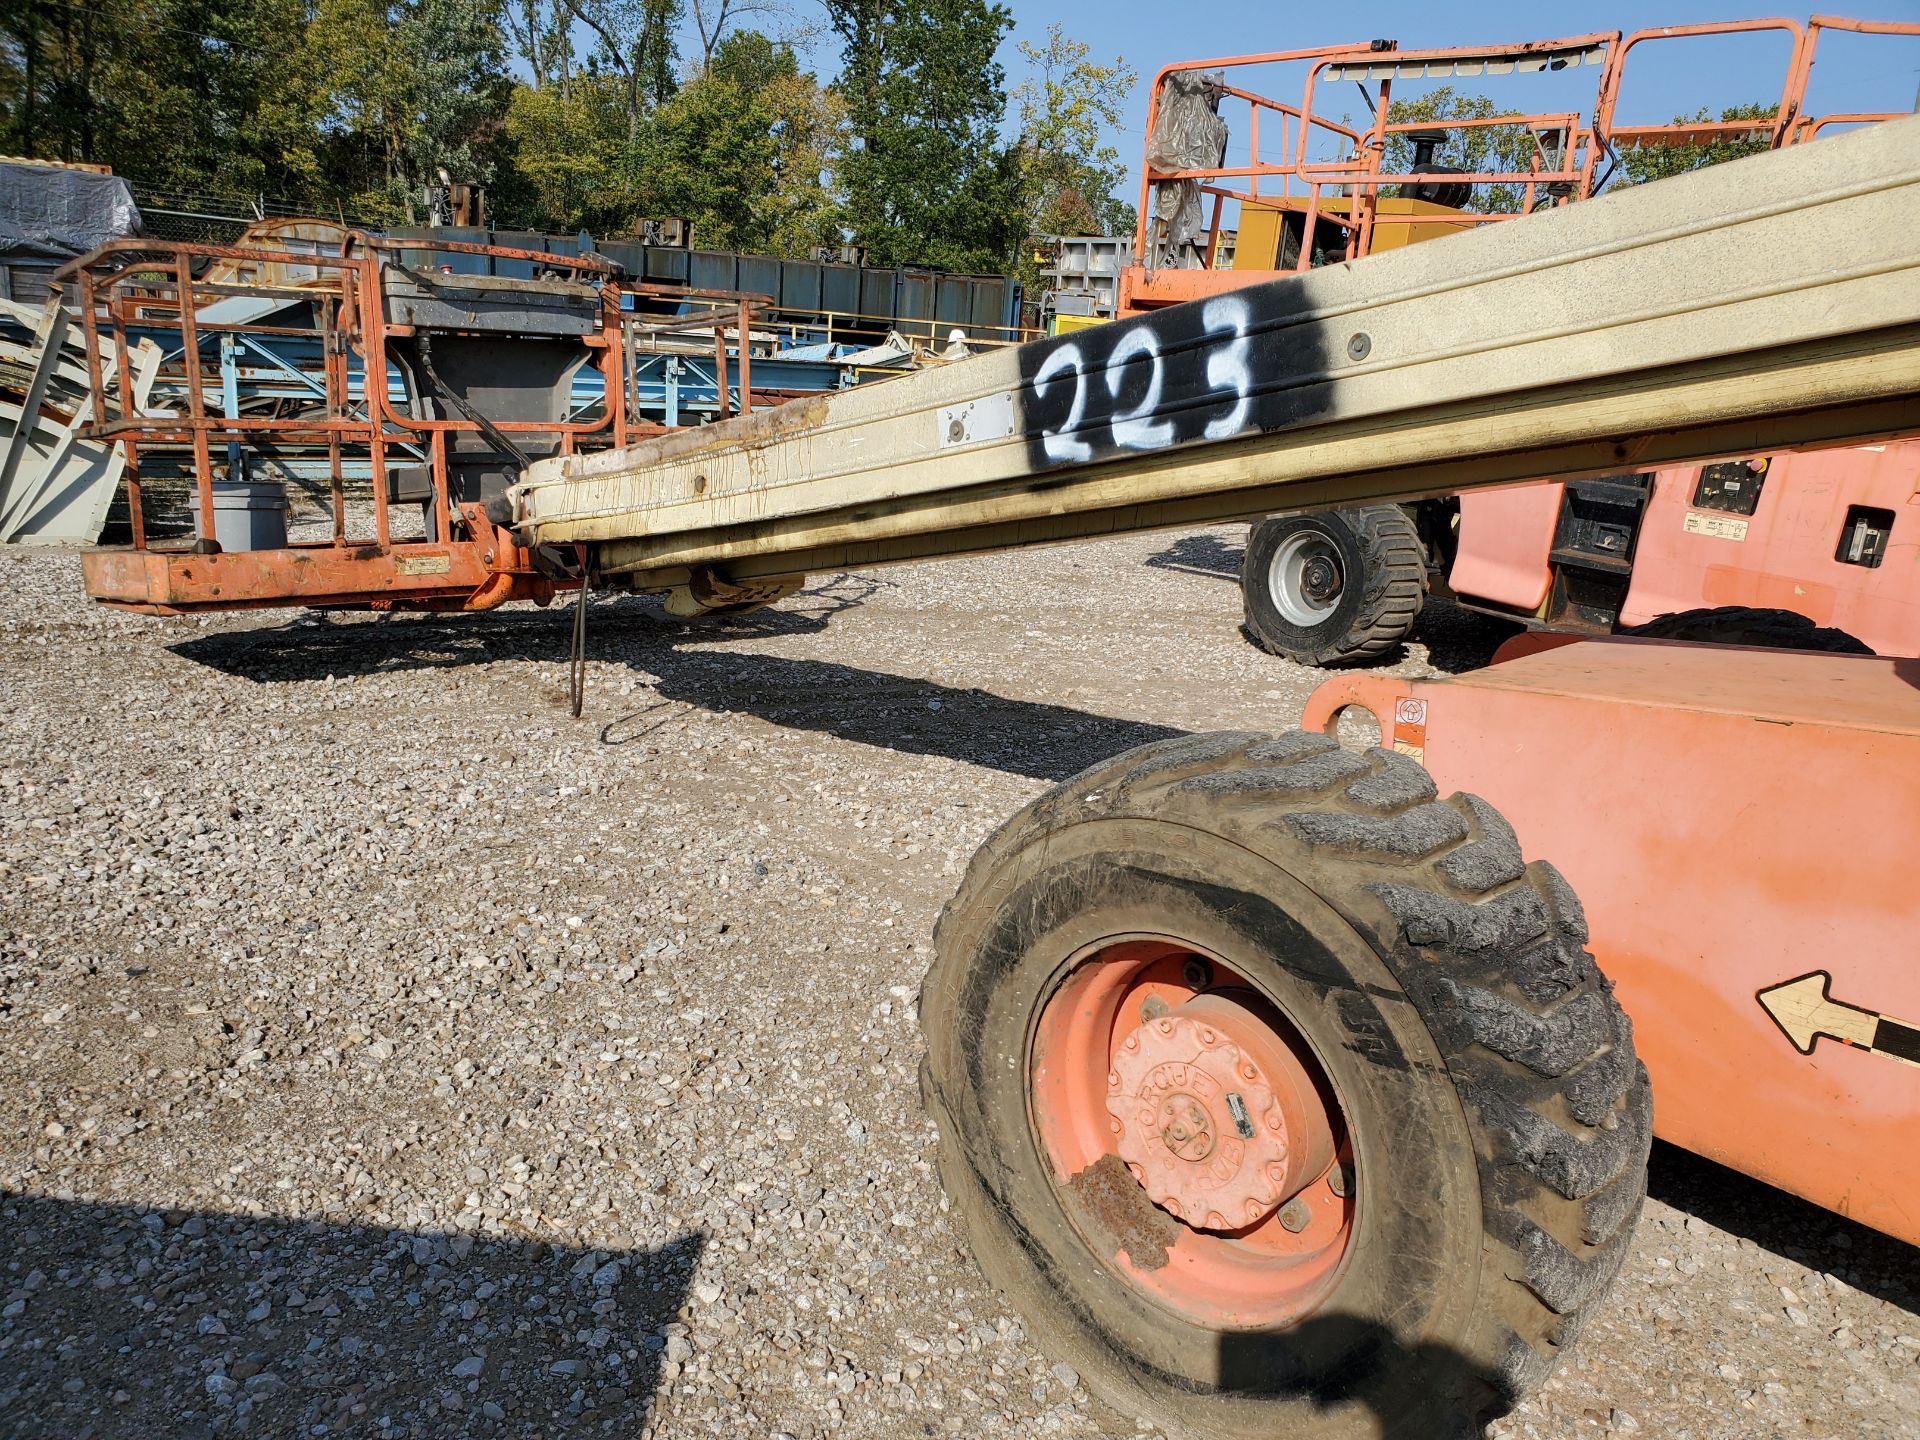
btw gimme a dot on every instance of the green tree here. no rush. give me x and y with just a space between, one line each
414 88
636 39
567 146
742 151
319 102
926 178
186 94
1068 169
1642 163
715 20
542 35
808 124
708 154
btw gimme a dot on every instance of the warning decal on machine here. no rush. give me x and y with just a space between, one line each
1804 1011
1410 728
1720 527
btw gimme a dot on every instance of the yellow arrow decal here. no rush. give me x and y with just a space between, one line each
1804 1011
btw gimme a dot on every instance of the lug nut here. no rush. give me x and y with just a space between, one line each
1197 973
1340 1181
1295 1216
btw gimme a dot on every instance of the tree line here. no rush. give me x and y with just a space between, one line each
589 114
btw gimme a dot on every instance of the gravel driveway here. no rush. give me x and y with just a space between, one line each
389 1054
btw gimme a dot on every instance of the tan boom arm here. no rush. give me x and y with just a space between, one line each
1766 304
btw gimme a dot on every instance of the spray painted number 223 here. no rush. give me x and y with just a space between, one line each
1123 393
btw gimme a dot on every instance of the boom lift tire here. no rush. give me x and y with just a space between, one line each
1742 625
1333 587
1321 910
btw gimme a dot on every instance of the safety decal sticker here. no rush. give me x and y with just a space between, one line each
1804 1011
1720 527
1410 729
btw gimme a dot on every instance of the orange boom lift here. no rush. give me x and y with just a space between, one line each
1284 1095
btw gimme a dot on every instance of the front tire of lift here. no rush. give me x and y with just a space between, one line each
1744 625
1335 587
1282 1097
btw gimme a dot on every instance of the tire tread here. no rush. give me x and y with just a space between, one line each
1394 578
1491 951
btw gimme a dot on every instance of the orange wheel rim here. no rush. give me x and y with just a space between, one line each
1196 1142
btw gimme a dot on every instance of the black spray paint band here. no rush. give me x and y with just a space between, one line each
1206 370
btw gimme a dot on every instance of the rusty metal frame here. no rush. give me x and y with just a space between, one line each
1361 173
135 282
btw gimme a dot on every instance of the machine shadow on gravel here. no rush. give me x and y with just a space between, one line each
171 1325
312 644
1203 553
1786 1225
913 717
1247 1364
690 671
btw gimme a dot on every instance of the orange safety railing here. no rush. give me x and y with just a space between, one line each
140 285
137 284
137 288
1345 193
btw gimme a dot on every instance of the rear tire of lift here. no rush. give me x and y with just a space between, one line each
1439 1144
1333 587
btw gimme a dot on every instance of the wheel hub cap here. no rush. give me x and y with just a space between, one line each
1196 1116
1305 578
1320 579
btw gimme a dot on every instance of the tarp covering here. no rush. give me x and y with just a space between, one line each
1188 134
50 214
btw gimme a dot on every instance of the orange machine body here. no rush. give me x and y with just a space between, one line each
1792 543
479 573
1734 820
1791 554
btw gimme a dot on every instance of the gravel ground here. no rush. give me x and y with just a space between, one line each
389 1054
